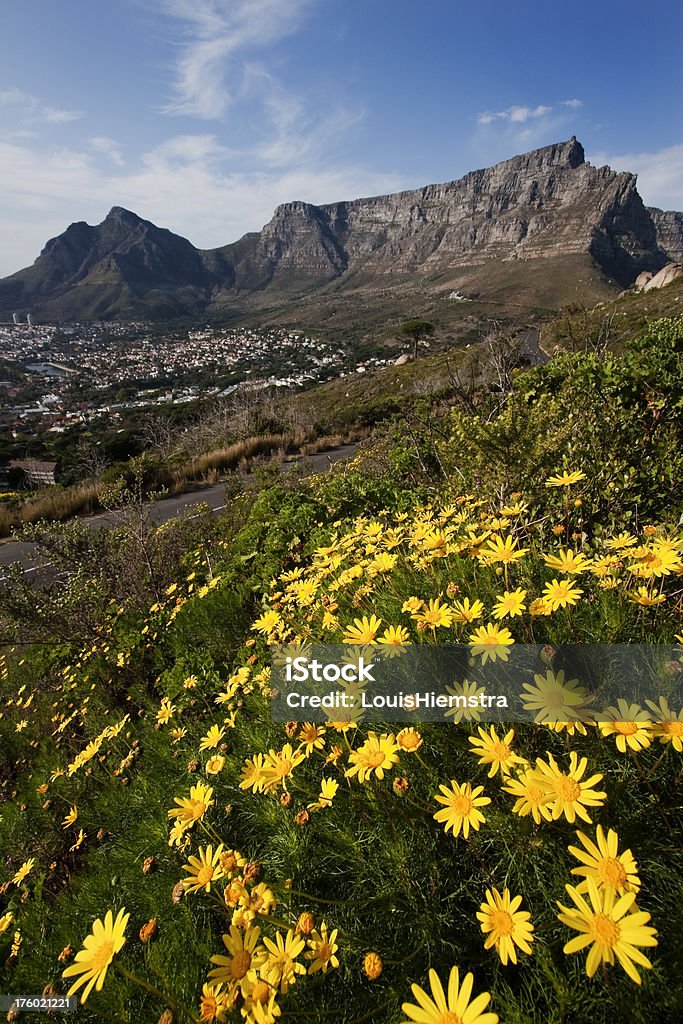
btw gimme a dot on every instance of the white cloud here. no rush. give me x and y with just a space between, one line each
187 184
108 147
515 114
214 33
32 108
660 174
574 104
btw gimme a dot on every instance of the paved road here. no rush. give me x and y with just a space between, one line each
530 349
169 508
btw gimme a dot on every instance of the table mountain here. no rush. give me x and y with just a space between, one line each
525 220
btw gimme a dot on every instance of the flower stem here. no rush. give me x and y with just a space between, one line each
141 983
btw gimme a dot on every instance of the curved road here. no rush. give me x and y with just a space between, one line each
168 508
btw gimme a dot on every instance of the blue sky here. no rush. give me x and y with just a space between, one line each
203 115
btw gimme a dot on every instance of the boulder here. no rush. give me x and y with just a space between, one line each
665 276
642 280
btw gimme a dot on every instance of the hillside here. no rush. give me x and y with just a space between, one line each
171 851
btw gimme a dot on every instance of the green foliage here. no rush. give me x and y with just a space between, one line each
145 609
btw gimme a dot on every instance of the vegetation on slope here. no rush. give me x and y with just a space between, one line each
138 685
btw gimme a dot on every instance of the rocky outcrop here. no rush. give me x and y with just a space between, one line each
545 205
671 272
669 227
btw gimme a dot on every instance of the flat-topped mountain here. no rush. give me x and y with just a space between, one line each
493 225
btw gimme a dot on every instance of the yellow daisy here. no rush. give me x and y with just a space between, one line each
450 1007
605 924
630 725
505 925
570 793
91 962
601 861
203 869
494 751
461 807
378 754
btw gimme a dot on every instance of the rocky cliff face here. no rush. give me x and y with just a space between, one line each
669 227
544 205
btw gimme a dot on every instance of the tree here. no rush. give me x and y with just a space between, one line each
416 330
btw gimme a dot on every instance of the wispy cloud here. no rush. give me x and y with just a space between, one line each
514 115
32 108
188 184
108 147
522 127
660 174
216 37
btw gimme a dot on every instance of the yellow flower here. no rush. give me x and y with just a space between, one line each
605 924
511 603
621 541
505 551
668 726
253 776
239 968
561 593
461 807
604 864
409 739
451 1007
259 1004
465 612
565 479
165 712
214 1004
231 861
363 631
490 641
630 725
568 562
394 636
203 870
466 691
328 791
191 809
312 736
505 925
434 615
555 699
23 871
413 604
212 738
281 966
99 948
70 818
659 560
215 764
643 597
267 622
570 794
80 839
6 921
378 754
532 797
496 752
279 765
539 607
322 950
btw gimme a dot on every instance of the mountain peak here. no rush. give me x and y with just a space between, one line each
120 215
